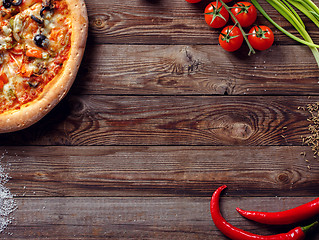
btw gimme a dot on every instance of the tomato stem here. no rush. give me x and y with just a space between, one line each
216 12
251 49
226 37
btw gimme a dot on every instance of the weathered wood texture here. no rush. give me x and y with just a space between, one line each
147 132
165 22
194 70
136 218
170 120
161 171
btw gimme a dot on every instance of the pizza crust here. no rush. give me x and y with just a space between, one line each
58 87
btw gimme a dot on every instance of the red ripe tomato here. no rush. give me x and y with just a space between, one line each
231 38
245 13
216 16
261 37
193 1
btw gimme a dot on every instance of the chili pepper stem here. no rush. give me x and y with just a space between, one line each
251 49
307 228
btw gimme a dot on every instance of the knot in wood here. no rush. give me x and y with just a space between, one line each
288 177
231 128
240 131
99 22
283 177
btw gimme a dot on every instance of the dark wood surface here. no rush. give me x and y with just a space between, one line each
159 117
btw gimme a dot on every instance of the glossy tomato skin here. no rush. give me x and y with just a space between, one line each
193 1
261 37
245 13
220 13
231 38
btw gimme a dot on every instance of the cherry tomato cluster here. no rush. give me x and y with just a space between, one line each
231 37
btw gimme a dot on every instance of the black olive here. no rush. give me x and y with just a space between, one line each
17 3
46 5
7 3
44 9
33 84
36 19
40 40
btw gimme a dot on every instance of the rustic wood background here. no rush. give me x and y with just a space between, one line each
158 118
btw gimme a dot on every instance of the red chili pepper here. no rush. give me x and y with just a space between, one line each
293 215
235 233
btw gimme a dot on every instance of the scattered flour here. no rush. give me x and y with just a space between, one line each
7 202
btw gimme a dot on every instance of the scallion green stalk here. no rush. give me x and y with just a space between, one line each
285 11
310 3
315 14
279 5
263 12
294 12
307 10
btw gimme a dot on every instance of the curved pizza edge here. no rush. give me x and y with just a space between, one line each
58 87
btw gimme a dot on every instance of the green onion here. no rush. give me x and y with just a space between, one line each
262 11
308 12
280 5
294 12
310 4
284 8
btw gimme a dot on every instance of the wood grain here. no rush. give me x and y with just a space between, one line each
158 118
161 171
136 218
165 22
194 70
170 120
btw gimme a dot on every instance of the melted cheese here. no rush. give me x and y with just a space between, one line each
24 71
6 41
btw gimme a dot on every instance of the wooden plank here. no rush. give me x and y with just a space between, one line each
136 218
170 120
165 22
193 70
160 171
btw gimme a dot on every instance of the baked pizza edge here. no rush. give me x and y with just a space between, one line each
59 86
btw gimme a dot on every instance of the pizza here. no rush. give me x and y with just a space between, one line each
41 47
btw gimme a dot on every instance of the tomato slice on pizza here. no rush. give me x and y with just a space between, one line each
41 47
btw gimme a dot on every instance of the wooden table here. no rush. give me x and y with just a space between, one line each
159 117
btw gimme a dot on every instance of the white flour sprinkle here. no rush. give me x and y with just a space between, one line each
7 202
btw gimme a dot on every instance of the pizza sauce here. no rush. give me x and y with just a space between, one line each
35 40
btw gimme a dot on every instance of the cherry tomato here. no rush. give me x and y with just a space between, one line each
216 16
261 37
231 38
245 13
193 1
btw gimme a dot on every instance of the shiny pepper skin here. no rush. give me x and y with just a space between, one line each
298 214
235 233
